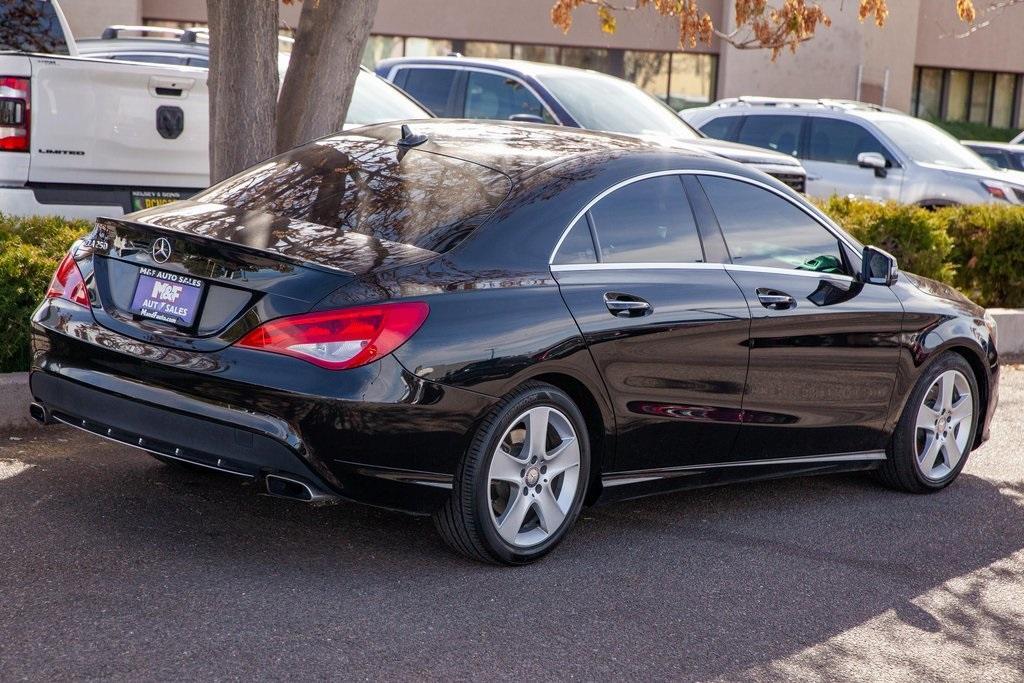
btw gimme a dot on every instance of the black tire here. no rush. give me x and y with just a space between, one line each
466 521
900 470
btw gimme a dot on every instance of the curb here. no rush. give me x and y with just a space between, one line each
1009 331
14 400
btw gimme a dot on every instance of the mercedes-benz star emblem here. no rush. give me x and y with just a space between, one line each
161 250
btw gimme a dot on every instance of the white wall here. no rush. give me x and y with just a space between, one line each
828 65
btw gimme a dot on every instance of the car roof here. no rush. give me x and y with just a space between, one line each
1008 146
512 66
517 149
741 106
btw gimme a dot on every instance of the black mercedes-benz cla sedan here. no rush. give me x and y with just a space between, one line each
497 324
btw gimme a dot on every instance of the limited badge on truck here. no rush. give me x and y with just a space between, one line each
167 297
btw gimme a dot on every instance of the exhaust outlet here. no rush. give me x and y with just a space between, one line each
281 486
39 413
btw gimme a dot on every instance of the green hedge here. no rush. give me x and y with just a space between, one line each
915 236
977 249
30 249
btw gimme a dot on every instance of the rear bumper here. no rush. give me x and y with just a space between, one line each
377 434
236 442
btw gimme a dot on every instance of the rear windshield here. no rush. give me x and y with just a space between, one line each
370 187
31 26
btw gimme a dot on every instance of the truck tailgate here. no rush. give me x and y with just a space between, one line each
124 124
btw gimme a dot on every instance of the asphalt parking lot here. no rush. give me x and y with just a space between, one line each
113 565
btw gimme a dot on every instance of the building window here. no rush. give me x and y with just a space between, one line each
692 80
598 59
981 97
1002 100
958 90
984 97
427 47
536 53
382 47
649 71
929 93
474 48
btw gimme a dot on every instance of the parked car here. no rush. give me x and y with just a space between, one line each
108 134
857 149
497 323
516 90
1007 156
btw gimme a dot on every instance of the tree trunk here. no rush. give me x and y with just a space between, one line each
324 66
243 83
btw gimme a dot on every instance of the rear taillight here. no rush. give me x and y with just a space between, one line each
15 103
341 339
67 283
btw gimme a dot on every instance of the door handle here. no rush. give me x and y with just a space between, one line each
626 305
776 301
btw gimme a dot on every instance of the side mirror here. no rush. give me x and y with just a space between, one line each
873 160
527 118
878 267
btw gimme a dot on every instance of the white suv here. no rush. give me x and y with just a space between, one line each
856 149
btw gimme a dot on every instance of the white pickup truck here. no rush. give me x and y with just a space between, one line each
82 137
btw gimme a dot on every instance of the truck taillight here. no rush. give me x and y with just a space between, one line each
15 103
341 339
68 283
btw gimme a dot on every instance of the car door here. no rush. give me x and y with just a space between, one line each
823 345
666 328
830 157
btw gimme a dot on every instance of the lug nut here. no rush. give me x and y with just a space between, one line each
538 488
543 469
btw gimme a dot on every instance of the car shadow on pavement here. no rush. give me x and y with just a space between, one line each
715 583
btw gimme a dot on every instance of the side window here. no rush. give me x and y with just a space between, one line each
763 229
490 96
578 245
199 61
431 87
775 132
839 142
993 157
723 127
648 221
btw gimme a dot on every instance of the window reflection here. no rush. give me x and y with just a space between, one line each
366 186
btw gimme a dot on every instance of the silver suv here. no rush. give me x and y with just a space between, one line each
856 149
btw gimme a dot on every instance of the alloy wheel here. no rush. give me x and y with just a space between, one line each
534 476
944 425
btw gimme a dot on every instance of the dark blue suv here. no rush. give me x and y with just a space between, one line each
508 89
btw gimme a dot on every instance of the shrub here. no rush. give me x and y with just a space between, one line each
917 237
988 248
30 249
